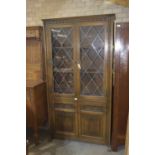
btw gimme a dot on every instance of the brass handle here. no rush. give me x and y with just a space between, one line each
75 99
79 66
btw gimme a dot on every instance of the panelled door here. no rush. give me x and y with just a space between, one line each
79 67
62 80
92 73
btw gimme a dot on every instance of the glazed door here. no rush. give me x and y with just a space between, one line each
61 80
93 73
79 77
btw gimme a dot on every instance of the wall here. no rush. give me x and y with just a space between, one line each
42 9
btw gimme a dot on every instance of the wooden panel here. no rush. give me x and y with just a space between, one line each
121 84
34 54
92 122
41 103
91 125
36 102
65 119
36 106
29 115
63 106
64 122
92 108
33 32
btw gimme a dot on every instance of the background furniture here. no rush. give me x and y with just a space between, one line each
36 107
121 85
36 99
35 68
79 77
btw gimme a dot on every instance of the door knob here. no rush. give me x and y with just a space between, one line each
79 66
75 99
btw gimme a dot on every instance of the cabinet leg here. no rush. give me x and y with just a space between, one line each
114 147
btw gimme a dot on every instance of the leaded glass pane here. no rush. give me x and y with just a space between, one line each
62 60
91 57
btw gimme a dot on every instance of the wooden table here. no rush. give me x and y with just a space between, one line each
36 106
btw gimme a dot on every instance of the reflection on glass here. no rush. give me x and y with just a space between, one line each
62 60
91 57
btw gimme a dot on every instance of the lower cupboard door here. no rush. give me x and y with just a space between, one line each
92 126
65 123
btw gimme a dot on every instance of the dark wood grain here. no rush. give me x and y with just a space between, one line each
35 65
81 116
36 97
121 84
36 106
